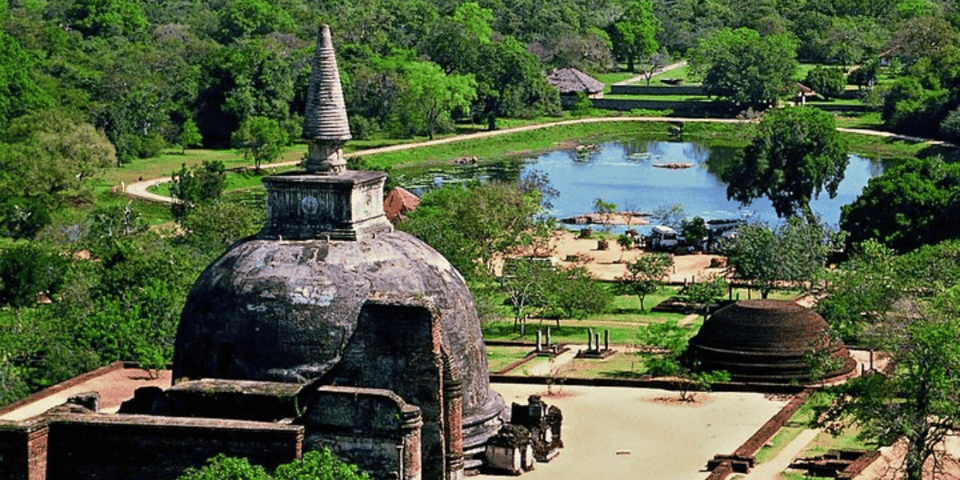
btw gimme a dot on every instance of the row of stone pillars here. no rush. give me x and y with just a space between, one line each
593 341
545 347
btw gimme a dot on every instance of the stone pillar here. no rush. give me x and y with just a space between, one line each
549 342
453 420
589 339
539 341
411 463
606 339
597 341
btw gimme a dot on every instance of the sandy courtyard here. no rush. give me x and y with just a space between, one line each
624 434
610 264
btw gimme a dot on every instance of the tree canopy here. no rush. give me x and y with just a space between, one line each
795 251
910 204
744 68
795 154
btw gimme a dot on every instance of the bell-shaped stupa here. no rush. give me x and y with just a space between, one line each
302 301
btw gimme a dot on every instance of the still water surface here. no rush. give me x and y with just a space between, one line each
623 172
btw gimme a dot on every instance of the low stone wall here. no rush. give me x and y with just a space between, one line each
54 389
772 426
723 465
656 90
152 447
691 108
663 384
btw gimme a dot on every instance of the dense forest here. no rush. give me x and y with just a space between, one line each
89 84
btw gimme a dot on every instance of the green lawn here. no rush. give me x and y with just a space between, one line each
499 357
800 421
570 331
613 77
619 365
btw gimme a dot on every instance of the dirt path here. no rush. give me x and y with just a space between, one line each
638 78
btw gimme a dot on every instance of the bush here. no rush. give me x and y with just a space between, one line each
950 126
828 82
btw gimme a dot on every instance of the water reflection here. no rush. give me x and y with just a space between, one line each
623 172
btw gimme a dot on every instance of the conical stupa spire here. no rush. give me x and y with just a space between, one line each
325 125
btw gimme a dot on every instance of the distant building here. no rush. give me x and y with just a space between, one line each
397 203
570 81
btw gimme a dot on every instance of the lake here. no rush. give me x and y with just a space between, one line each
623 172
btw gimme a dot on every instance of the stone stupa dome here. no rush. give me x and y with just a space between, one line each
765 341
284 304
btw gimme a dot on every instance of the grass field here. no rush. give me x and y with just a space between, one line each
499 357
800 421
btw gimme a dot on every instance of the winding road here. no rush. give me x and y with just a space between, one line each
139 189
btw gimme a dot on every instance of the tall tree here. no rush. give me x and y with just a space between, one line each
794 252
260 139
918 402
634 35
644 275
908 205
434 95
471 226
795 154
743 68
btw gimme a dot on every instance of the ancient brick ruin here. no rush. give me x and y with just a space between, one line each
328 329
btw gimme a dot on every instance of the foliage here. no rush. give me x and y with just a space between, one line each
694 231
433 95
672 338
918 400
215 225
315 465
671 216
795 154
908 205
194 186
744 68
866 287
469 226
581 105
862 290
526 282
107 17
634 34
46 162
224 467
260 139
704 292
828 82
19 92
950 126
28 270
573 293
319 465
795 251
645 275
190 135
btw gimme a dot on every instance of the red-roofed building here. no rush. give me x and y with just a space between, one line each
398 202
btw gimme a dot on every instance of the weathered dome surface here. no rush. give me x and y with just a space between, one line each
765 341
281 310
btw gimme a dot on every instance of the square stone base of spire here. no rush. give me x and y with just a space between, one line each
348 206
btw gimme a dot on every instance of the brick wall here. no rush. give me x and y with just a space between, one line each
134 447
